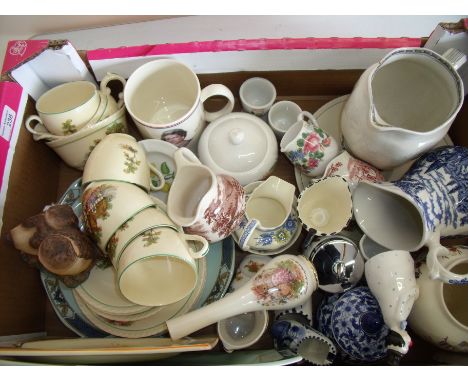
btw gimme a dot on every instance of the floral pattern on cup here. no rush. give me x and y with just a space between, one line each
131 163
68 127
310 149
279 236
96 206
151 237
279 285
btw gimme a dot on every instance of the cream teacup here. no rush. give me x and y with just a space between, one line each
325 206
151 217
67 108
307 146
158 267
257 95
165 100
109 204
128 159
282 116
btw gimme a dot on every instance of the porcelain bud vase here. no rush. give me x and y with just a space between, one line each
204 204
430 201
285 282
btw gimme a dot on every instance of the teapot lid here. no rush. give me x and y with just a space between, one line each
338 263
240 145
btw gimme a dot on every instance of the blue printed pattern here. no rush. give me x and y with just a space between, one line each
438 183
281 235
356 325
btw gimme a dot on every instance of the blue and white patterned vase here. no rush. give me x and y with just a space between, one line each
292 335
353 320
430 201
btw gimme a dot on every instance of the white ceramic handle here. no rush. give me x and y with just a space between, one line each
247 232
455 58
38 135
185 157
105 89
201 252
158 173
436 269
309 117
217 90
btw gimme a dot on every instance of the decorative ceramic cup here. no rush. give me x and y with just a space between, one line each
439 315
369 248
325 206
128 161
391 279
295 337
158 267
307 146
282 116
164 99
107 205
430 201
269 222
203 203
75 149
402 106
353 170
152 217
257 95
65 109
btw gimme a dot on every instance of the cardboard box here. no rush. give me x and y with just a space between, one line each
34 176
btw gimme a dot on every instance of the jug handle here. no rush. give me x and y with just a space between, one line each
436 269
160 176
247 232
199 239
105 89
185 157
307 117
455 58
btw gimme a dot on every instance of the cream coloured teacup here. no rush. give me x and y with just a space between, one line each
151 217
109 204
119 157
67 108
158 267
165 100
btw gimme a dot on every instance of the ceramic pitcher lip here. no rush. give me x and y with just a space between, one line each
140 72
384 186
385 127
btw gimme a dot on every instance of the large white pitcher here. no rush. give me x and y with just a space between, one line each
402 106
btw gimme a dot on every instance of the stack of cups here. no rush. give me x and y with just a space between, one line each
154 263
73 116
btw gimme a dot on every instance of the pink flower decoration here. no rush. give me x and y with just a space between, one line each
281 276
312 143
326 142
313 162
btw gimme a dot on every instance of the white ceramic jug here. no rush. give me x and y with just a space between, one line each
402 106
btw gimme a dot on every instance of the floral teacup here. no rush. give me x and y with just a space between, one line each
307 146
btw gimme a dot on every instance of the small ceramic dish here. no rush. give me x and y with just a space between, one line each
240 145
161 155
288 233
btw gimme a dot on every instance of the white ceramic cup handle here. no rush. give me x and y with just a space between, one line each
201 252
37 134
105 89
158 173
217 90
436 269
308 117
27 124
455 58
247 232
185 157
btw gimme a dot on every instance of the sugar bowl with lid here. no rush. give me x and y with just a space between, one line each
240 145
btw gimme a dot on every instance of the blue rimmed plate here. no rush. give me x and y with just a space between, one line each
217 269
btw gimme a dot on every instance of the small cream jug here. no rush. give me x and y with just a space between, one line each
267 209
402 106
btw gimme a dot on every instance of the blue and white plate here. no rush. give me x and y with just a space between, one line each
218 268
